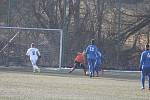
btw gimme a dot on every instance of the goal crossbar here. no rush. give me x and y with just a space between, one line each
24 28
43 29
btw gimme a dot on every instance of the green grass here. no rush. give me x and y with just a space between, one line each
29 86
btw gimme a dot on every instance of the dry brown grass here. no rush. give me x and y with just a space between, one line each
29 86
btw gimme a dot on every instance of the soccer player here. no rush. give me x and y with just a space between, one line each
98 63
79 61
91 52
34 54
145 66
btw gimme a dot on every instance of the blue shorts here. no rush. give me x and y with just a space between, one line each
146 71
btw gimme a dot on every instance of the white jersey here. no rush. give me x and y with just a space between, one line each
33 53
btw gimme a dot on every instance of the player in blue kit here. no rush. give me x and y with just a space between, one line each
91 52
98 63
145 66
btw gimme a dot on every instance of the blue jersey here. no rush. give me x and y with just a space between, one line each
91 51
145 59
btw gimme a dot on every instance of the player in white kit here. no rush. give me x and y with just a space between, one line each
34 54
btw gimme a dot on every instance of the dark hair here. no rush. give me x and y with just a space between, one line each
147 47
32 44
93 41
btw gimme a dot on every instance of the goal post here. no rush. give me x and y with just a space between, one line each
19 29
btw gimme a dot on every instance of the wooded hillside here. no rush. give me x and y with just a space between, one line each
120 27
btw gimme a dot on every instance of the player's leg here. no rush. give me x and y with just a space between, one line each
143 79
101 69
93 66
97 70
149 81
90 67
33 64
149 78
35 67
74 66
84 69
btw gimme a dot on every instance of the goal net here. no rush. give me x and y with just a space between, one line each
14 42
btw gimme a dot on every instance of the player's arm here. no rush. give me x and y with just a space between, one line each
141 61
87 50
27 53
84 60
38 53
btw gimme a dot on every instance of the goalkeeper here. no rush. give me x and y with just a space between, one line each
34 54
79 61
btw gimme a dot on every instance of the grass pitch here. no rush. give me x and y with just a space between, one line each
16 85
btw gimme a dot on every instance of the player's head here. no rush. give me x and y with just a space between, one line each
147 47
93 41
78 53
32 45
